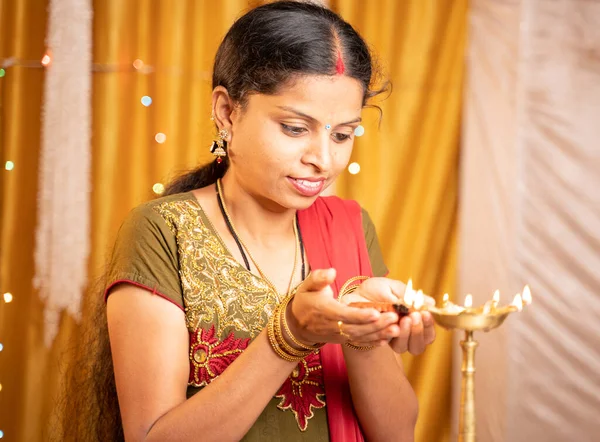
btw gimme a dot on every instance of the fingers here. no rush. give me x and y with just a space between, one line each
416 342
385 328
400 343
428 328
352 315
397 288
318 280
381 290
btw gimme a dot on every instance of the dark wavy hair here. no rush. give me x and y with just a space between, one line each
263 51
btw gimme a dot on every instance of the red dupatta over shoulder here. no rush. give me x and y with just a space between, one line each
333 236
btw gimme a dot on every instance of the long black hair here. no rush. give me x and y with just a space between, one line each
264 49
272 44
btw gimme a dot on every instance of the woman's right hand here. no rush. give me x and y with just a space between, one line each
314 313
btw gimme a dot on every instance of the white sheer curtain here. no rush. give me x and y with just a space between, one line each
530 213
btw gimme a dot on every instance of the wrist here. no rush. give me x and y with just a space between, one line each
293 330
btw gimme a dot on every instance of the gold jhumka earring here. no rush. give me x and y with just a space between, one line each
219 145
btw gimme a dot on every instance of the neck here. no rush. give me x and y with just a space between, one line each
254 218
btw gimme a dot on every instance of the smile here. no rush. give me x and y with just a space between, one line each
307 187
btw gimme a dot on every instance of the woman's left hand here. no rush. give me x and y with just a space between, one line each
417 331
413 333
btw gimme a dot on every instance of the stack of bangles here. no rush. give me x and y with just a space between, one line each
275 333
277 325
350 286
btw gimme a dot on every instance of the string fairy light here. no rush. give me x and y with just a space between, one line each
8 297
137 66
46 59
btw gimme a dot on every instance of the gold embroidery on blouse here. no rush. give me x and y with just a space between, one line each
216 288
219 292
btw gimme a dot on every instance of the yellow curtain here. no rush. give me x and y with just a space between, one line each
407 182
408 179
23 362
177 42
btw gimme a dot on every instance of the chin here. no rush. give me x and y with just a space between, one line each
302 202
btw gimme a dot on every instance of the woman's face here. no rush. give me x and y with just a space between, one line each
285 149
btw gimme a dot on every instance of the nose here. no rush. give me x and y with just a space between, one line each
319 154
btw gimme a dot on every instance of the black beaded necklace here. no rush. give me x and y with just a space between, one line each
239 244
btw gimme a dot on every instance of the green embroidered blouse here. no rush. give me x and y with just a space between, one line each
170 247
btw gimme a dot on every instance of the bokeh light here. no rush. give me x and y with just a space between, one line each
354 168
46 60
158 188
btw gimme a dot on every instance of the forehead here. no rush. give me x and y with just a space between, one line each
324 98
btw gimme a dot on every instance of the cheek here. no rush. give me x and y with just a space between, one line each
266 147
275 146
341 157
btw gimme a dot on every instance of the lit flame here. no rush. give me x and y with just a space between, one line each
527 295
409 293
419 299
518 302
496 297
446 298
487 308
469 301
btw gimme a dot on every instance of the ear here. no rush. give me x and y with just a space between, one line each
222 108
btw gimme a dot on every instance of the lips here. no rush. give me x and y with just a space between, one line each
308 186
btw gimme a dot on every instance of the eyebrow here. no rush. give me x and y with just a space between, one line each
313 119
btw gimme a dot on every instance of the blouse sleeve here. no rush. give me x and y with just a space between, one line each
378 266
145 255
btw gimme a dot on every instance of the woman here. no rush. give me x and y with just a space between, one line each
221 294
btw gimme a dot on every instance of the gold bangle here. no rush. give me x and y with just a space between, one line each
358 347
275 345
347 292
349 288
288 332
281 340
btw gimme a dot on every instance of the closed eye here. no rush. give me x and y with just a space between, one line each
340 138
293 131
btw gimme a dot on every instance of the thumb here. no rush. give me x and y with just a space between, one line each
319 279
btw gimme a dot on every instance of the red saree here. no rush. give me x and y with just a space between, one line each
333 237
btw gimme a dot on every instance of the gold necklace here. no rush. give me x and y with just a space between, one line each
262 274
